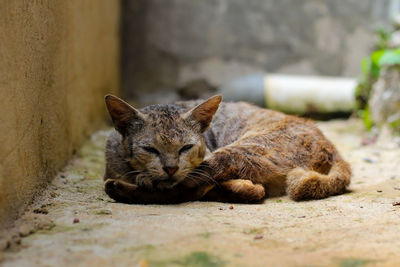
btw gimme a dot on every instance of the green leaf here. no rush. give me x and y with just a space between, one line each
375 57
390 58
395 125
366 117
365 66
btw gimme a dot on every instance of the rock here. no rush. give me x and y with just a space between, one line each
394 41
41 211
384 102
103 212
257 237
25 230
368 160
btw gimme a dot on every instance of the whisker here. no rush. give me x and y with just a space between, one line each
203 174
197 178
130 172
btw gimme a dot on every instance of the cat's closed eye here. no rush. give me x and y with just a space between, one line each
185 148
151 150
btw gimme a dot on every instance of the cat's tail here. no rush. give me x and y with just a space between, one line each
305 184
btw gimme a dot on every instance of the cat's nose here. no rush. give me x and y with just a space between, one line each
170 170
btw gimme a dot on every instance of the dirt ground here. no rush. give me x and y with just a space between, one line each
75 224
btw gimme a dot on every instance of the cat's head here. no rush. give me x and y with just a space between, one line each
161 143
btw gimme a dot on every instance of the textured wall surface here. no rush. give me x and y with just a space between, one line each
167 43
57 61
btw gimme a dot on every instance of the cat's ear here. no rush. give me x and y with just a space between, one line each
122 114
203 113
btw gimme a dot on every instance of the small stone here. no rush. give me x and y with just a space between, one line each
361 207
231 207
220 208
25 230
53 194
369 160
76 220
397 203
62 176
257 237
379 191
396 188
369 140
104 212
41 211
302 216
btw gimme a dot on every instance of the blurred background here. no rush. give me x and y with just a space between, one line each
175 45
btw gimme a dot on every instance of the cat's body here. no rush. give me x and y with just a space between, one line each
245 154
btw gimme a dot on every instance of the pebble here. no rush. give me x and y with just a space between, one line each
231 207
76 220
104 212
257 237
25 230
379 191
369 160
40 211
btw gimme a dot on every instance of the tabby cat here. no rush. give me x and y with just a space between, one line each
208 150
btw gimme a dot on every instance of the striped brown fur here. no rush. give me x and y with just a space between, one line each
234 152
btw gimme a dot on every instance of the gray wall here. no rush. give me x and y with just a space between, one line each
167 43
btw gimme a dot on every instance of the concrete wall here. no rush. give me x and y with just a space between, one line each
57 61
168 43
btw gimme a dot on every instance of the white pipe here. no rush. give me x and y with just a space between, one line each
302 94
294 93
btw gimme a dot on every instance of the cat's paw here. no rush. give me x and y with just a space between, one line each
145 182
166 185
118 190
110 189
245 189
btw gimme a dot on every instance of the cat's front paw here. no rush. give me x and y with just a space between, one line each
110 189
166 185
119 191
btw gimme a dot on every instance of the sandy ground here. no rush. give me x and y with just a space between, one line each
75 224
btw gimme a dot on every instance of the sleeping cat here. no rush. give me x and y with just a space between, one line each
208 150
